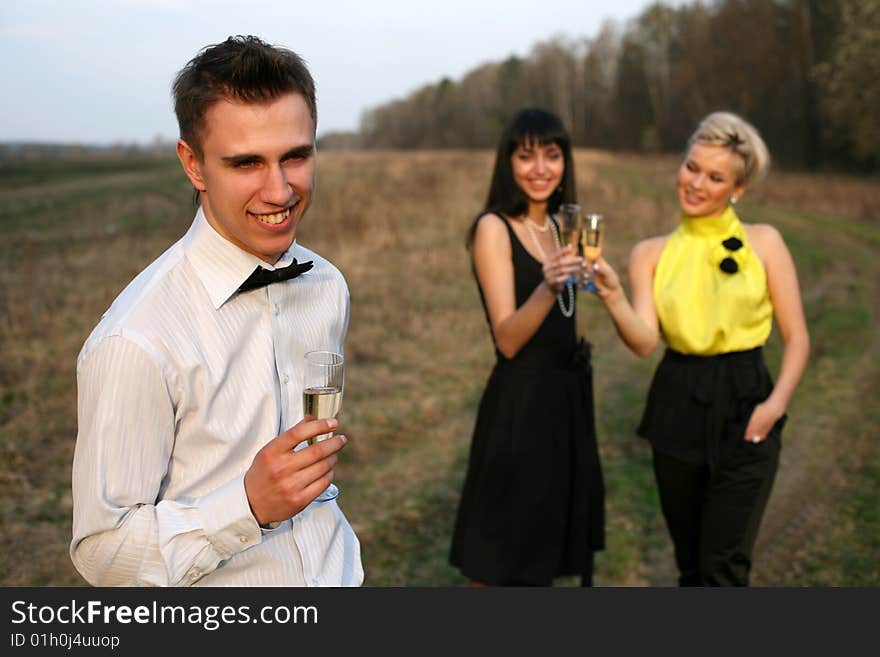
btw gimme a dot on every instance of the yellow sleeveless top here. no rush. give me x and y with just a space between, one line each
710 288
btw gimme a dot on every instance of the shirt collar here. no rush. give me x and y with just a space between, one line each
220 265
722 225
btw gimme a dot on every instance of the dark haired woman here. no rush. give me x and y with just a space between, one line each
532 506
711 289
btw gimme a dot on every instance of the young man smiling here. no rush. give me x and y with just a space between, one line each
191 463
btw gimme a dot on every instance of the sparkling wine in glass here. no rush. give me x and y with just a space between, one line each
570 223
322 396
592 236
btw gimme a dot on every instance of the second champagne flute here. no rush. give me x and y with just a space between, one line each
592 236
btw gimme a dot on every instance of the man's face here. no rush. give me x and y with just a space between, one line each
257 171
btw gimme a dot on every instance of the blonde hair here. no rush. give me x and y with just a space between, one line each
733 132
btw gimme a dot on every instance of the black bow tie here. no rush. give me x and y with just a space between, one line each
262 277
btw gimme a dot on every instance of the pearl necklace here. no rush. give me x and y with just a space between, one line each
532 227
540 229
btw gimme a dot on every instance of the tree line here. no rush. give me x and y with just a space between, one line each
805 72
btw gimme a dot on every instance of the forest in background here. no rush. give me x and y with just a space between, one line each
805 72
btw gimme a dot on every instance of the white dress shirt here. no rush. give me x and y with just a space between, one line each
179 386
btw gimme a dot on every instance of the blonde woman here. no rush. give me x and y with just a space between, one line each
710 290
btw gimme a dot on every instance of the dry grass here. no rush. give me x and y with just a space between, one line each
419 353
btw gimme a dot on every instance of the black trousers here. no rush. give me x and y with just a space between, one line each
713 516
713 484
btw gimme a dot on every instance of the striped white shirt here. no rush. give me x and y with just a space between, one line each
179 386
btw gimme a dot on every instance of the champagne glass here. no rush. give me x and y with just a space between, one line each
570 223
592 236
322 397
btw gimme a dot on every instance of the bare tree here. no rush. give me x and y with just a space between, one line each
850 79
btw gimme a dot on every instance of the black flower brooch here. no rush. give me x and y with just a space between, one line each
729 265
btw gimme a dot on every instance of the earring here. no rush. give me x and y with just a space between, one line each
733 200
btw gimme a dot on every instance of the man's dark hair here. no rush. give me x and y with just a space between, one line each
242 68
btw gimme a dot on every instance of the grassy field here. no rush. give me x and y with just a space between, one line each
73 232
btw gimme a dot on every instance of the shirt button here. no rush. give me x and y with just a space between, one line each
275 309
285 379
243 539
194 575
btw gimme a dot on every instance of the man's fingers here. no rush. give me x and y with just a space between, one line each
303 430
327 447
320 455
315 471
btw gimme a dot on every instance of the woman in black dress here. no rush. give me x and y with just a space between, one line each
532 506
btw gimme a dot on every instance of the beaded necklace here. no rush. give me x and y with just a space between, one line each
531 227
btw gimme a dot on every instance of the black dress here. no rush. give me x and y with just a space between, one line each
532 506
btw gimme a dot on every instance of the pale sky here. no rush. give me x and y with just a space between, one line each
100 71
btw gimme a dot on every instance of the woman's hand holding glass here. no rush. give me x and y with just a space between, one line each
561 267
605 278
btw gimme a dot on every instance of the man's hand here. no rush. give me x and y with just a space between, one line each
281 482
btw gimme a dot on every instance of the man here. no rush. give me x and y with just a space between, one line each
191 466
